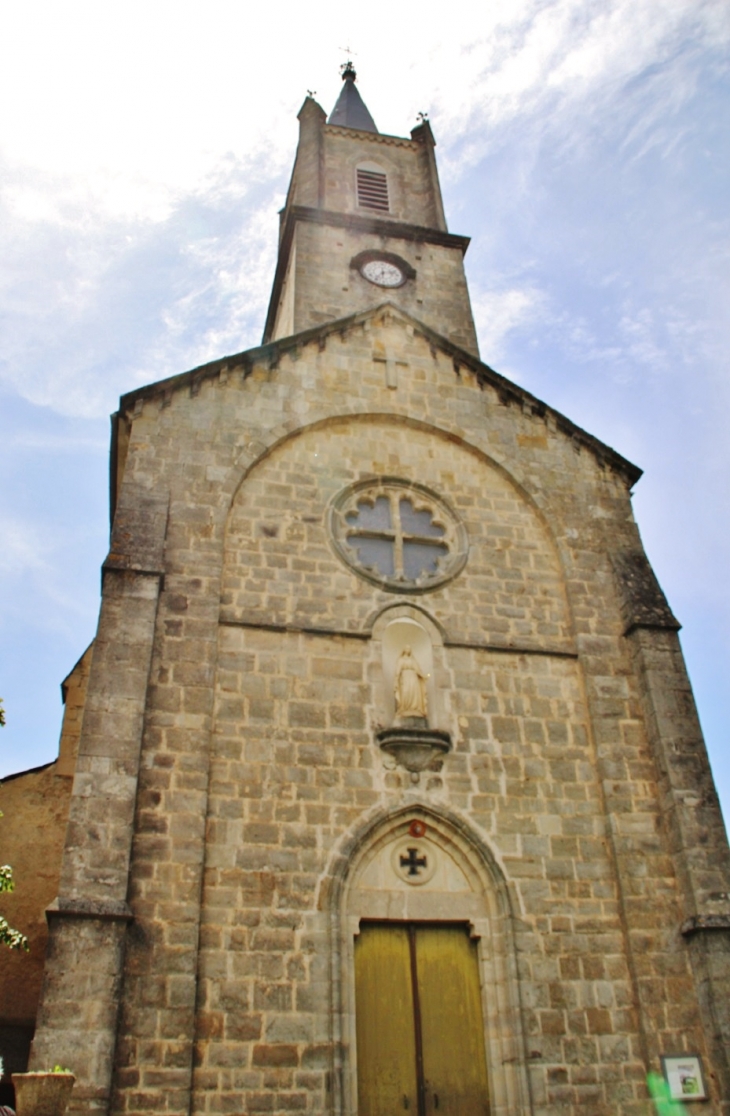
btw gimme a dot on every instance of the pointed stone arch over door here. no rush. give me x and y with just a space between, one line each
423 901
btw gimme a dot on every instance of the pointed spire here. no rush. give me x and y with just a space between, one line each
350 110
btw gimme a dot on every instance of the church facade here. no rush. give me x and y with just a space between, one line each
390 790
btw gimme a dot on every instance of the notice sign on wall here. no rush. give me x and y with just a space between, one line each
684 1077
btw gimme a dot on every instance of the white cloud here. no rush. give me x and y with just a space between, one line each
565 68
93 307
137 102
498 312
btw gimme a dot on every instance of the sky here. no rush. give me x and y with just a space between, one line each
145 150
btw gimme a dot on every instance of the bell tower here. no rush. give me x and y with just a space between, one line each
364 224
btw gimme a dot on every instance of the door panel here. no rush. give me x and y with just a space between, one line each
386 1040
452 1028
439 1019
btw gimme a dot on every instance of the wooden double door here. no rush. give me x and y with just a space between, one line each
420 1031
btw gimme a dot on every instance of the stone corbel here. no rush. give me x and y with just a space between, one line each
698 924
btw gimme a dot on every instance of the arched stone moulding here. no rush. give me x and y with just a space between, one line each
254 452
467 886
540 589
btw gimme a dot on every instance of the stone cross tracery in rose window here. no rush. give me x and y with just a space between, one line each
393 537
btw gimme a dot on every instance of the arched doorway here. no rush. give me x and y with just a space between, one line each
427 977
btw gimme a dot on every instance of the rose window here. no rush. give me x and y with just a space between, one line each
398 534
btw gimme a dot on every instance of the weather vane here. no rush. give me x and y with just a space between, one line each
347 69
423 116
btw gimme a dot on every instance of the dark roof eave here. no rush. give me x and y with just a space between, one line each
28 771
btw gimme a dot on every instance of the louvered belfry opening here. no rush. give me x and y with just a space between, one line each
372 190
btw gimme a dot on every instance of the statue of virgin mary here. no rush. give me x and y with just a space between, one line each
410 687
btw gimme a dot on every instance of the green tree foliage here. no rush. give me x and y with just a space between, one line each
13 939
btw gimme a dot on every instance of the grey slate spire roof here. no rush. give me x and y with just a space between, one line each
350 110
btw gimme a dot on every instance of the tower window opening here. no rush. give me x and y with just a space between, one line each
372 190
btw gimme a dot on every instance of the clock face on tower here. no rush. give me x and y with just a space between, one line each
382 268
383 273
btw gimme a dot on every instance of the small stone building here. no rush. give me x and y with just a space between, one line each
390 791
35 806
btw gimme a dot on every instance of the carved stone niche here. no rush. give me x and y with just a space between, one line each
408 673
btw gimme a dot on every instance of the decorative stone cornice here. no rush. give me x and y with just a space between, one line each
103 910
370 137
270 354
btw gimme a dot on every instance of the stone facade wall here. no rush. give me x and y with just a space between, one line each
258 772
35 807
35 802
280 566
294 770
438 295
409 189
327 159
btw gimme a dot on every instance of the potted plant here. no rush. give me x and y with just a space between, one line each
44 1093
